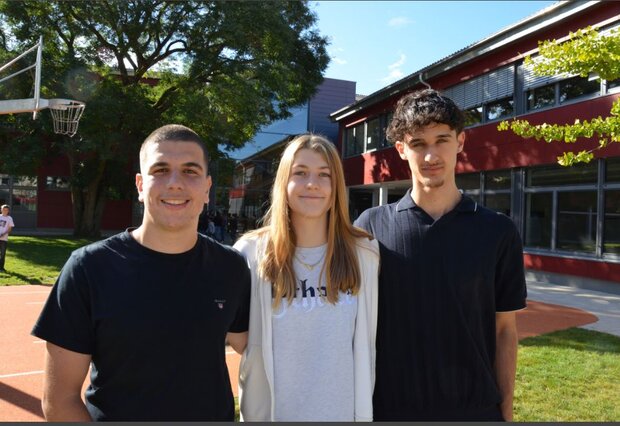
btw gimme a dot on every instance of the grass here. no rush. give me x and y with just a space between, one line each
37 260
568 376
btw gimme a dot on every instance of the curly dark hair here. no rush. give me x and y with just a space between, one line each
419 109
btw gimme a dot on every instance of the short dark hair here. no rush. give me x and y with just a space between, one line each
175 133
419 109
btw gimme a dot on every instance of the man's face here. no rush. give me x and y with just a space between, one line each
173 185
431 153
5 211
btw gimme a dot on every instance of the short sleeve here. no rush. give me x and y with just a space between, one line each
510 288
242 318
363 221
66 319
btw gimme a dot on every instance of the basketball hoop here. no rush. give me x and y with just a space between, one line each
66 115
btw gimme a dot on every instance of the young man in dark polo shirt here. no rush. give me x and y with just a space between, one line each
451 280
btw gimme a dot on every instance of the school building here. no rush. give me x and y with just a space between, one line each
569 217
258 160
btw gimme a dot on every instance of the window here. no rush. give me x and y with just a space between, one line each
498 202
577 87
611 224
577 221
487 97
355 140
468 181
579 174
539 209
500 109
387 119
469 184
612 174
373 134
473 116
497 179
613 84
56 183
497 196
540 97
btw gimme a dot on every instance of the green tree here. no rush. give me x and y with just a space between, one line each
586 52
224 68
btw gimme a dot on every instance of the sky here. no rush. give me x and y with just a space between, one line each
376 43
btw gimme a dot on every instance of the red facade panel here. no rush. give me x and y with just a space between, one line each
578 267
486 148
54 207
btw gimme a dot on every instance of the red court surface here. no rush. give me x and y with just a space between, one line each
21 355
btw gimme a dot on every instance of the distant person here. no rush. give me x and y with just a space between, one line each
232 226
150 308
6 226
311 349
451 280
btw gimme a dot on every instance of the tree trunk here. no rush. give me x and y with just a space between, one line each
88 203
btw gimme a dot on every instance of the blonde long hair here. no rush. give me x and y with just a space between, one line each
276 264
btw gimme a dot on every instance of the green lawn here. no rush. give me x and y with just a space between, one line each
37 260
570 375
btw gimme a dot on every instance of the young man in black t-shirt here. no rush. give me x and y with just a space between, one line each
451 280
149 310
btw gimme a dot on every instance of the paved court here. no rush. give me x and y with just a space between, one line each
22 355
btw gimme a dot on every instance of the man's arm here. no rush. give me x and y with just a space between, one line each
65 372
506 359
238 341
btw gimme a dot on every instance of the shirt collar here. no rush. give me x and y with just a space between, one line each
466 204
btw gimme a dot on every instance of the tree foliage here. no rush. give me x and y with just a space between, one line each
586 52
224 68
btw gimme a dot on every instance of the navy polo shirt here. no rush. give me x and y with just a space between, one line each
440 285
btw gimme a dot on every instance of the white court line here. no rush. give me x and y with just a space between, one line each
27 373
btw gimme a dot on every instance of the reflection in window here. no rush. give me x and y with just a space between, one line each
541 97
24 199
56 182
611 226
355 139
500 109
577 87
579 174
498 202
613 84
373 134
499 179
473 116
612 173
467 181
388 120
538 220
577 221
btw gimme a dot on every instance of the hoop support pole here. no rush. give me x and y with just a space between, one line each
37 79
5 66
18 72
15 106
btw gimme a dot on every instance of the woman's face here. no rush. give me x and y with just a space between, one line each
309 188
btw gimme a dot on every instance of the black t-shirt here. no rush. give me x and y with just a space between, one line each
440 286
155 325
